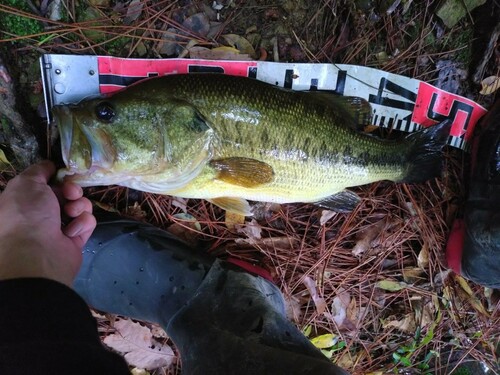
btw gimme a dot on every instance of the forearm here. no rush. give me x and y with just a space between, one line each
46 325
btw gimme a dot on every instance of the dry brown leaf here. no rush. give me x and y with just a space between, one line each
465 292
412 275
347 360
490 85
364 238
219 53
428 313
339 308
232 220
241 44
319 302
293 308
139 371
140 348
180 203
283 242
134 11
105 207
406 325
252 230
326 215
423 257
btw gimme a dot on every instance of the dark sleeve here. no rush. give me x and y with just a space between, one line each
46 328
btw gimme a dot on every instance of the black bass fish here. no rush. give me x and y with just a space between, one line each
231 139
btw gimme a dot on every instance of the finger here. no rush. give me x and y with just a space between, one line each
84 223
82 238
77 207
71 191
40 172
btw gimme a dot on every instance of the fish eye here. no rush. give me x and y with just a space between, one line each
105 111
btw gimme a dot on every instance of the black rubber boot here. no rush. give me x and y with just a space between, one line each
140 271
473 248
222 319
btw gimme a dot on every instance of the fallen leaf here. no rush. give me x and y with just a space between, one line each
105 207
169 42
406 325
324 341
319 302
252 230
490 85
139 371
465 292
293 309
187 228
158 332
365 238
413 274
283 242
339 308
241 44
138 345
427 315
197 23
180 203
347 360
134 11
219 53
3 159
452 11
423 257
233 219
391 286
54 10
326 215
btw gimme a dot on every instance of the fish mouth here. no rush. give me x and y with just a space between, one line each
83 150
64 121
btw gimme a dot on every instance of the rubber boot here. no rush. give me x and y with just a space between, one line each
222 319
473 248
138 270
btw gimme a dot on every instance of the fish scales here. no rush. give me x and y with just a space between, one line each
213 136
308 145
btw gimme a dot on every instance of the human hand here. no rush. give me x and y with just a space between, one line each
32 242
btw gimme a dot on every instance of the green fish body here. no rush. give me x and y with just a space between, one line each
231 139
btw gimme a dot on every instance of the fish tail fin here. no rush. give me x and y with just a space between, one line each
425 155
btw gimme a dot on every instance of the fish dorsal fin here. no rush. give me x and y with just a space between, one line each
245 172
357 109
238 206
345 201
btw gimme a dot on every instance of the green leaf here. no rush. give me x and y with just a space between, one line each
328 353
3 159
324 341
391 286
405 361
307 330
428 337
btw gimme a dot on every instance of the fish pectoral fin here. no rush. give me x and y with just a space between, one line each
345 201
245 172
238 206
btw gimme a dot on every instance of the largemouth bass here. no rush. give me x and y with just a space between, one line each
231 139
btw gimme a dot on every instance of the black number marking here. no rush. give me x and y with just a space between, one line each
455 107
340 86
386 85
205 69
